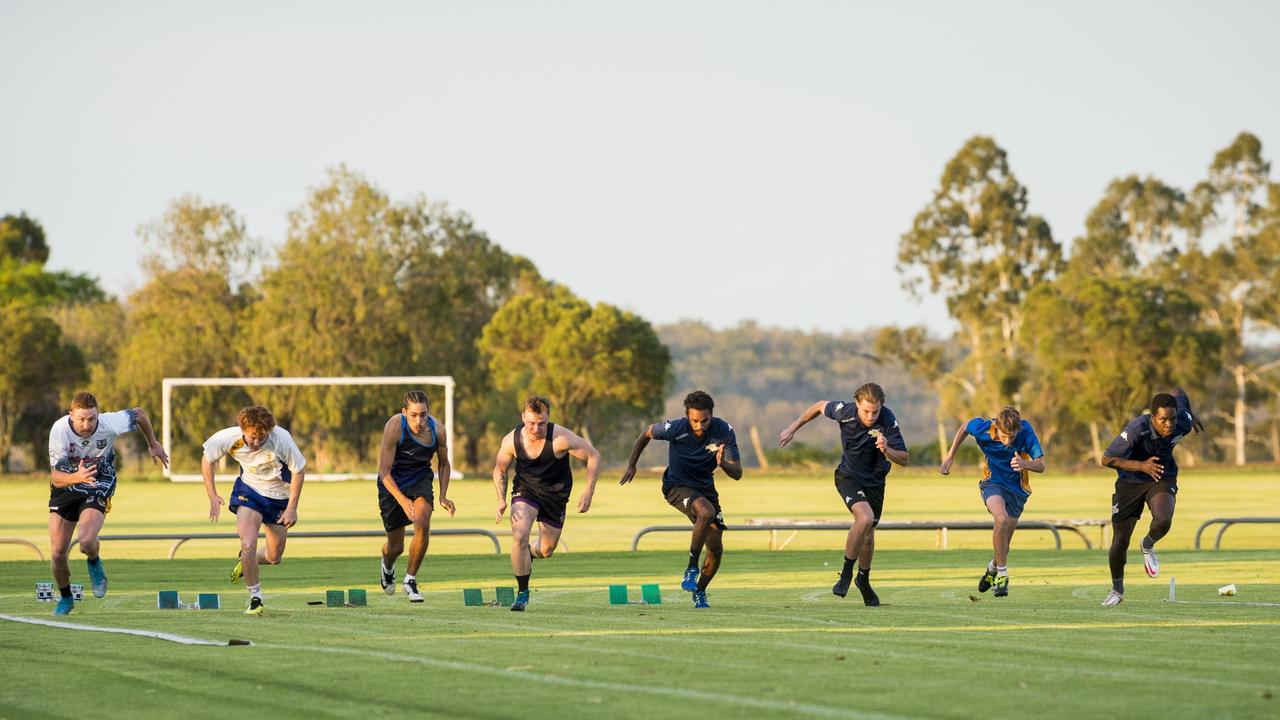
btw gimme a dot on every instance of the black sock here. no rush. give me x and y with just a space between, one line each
95 561
522 581
65 591
693 560
1117 584
864 575
847 571
1148 543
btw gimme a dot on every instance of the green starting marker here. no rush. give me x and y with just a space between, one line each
617 594
209 601
334 598
167 600
472 597
357 597
506 596
651 594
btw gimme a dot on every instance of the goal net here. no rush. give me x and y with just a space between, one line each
168 385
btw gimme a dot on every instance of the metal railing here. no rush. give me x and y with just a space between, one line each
1228 522
182 538
942 529
21 541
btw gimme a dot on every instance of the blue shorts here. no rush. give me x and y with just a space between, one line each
269 508
1013 500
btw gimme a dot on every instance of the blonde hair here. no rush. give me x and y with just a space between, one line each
1009 420
536 404
84 401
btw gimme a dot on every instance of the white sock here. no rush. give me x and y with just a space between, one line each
1002 570
255 591
408 577
991 566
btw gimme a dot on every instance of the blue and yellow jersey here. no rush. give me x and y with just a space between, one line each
996 456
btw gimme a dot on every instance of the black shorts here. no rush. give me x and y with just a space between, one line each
852 492
1127 502
393 517
551 503
69 504
682 497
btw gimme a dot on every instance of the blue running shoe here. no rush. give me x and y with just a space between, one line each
522 599
97 577
64 606
690 581
700 599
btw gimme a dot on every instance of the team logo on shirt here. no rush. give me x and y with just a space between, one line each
666 425
1124 434
839 407
102 443
84 443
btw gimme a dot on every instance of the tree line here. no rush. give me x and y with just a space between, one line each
1166 286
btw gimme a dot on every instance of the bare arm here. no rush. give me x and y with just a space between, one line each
87 474
443 469
1020 463
1151 466
386 457
950 457
153 445
809 414
289 517
215 500
641 443
506 454
581 449
732 468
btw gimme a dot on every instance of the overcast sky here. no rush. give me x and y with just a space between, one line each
714 160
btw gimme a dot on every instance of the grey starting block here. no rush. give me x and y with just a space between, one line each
44 592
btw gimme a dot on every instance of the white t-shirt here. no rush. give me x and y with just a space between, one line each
268 469
67 449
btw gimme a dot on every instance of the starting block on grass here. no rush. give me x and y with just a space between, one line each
167 600
44 592
355 597
208 601
503 597
650 594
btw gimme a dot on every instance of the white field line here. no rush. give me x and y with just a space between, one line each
122 631
519 674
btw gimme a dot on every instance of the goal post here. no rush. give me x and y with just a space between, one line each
168 384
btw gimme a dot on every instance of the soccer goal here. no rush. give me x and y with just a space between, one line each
168 384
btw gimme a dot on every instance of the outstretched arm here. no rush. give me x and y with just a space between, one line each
1181 394
809 414
950 457
641 443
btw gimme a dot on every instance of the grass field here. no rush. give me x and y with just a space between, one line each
775 643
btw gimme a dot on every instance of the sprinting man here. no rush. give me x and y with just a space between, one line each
82 456
1146 473
1010 450
698 443
409 441
265 495
540 451
871 440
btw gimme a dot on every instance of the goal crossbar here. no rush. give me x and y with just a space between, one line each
168 384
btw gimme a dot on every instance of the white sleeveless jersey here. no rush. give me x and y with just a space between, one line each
269 469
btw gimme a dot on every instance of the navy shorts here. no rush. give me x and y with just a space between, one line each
1013 501
393 516
269 508
682 498
853 492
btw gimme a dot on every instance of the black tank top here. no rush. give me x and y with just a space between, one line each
546 471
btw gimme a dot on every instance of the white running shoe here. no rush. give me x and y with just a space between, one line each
388 581
1113 598
1150 563
411 589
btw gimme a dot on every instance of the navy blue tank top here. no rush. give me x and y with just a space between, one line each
412 462
545 471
